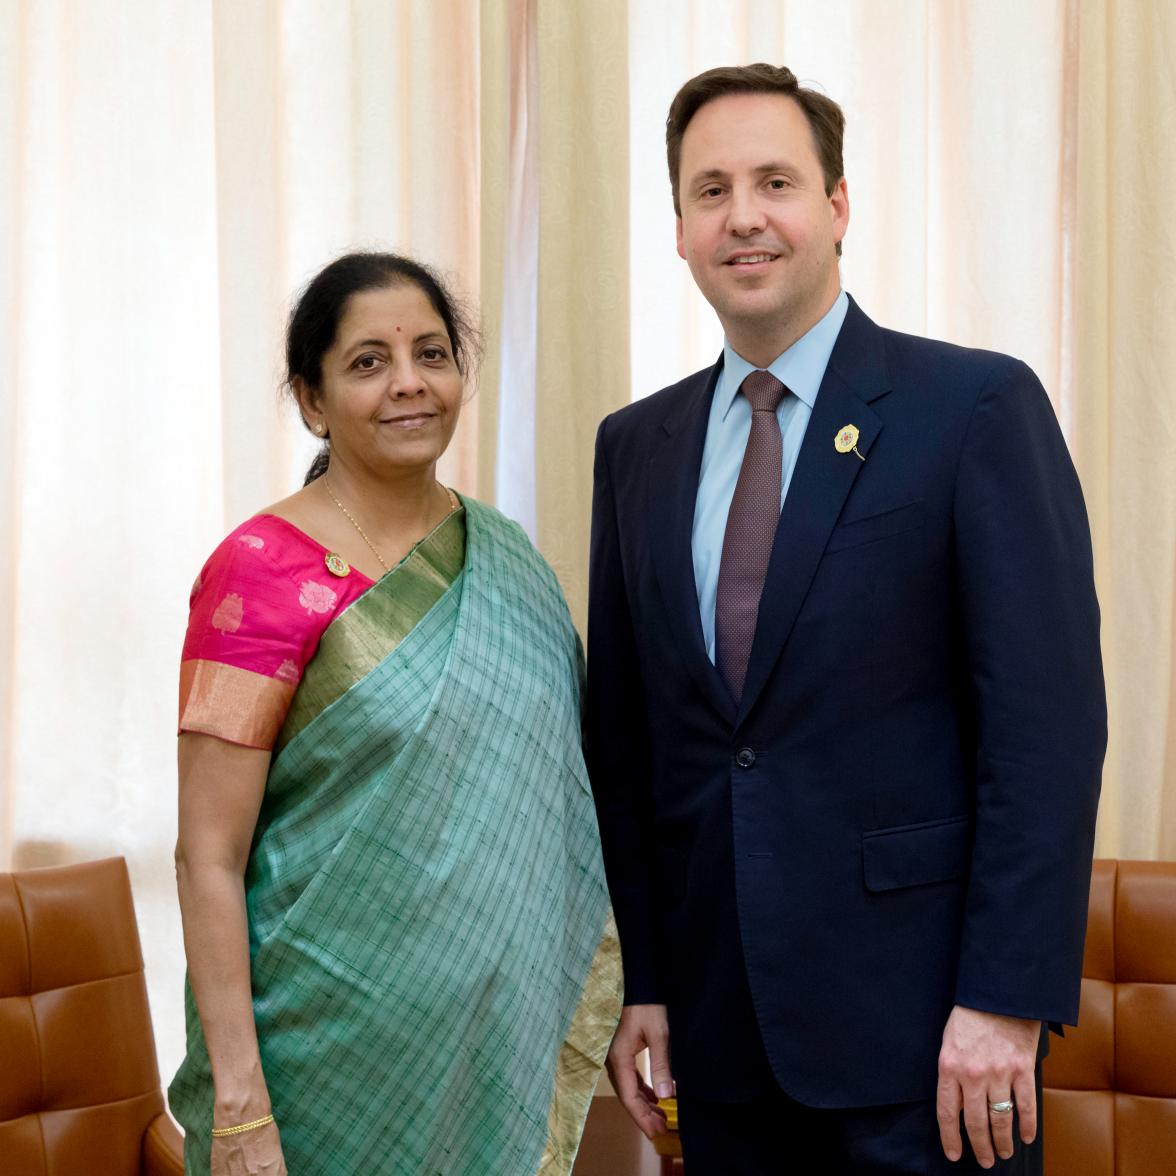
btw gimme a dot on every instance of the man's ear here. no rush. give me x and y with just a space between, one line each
678 239
839 206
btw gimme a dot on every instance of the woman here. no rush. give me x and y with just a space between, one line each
395 918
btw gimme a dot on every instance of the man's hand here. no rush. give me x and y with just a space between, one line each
642 1027
986 1058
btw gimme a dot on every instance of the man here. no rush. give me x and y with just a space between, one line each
846 715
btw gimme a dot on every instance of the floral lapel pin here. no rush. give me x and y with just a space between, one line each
847 439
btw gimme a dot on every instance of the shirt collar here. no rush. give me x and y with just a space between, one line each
801 367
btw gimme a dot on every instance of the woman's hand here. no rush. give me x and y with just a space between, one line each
252 1153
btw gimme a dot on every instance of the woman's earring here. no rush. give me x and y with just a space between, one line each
319 428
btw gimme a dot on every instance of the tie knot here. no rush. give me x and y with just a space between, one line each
763 391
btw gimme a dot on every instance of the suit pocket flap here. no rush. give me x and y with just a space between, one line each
914 855
876 526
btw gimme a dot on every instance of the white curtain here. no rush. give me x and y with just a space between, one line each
172 172
510 247
954 157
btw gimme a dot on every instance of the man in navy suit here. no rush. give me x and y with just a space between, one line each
846 715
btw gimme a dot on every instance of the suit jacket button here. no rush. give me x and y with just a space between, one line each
745 757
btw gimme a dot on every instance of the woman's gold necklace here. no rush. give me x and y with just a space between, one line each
453 505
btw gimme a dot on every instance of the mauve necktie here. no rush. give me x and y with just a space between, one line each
751 528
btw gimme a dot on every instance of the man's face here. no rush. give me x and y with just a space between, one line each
757 228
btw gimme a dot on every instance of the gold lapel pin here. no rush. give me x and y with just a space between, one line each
336 564
847 439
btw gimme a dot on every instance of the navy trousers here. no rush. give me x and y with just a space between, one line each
770 1134
776 1136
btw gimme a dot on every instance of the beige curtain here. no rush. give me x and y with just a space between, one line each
554 217
1009 171
1123 422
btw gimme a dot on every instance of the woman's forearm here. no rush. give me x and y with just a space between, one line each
216 941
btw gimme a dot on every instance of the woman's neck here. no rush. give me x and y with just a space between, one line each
391 503
390 513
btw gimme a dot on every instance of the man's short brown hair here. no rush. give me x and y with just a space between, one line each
825 117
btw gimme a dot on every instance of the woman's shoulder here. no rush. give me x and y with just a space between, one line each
511 547
268 549
256 613
490 526
492 521
263 545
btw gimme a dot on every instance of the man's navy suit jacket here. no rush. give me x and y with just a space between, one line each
898 815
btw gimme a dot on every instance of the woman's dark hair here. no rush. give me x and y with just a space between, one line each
315 319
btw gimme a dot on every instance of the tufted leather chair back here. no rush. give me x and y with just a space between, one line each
79 1084
1110 1084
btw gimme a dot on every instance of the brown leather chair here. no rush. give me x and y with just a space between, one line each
79 1083
1110 1084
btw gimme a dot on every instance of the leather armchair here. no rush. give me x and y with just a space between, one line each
1110 1084
79 1083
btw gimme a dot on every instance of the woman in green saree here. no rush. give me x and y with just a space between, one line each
400 954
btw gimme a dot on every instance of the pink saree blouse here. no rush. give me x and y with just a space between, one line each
256 613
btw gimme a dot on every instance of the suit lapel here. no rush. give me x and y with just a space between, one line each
820 484
674 469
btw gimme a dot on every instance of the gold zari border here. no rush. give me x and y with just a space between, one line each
234 704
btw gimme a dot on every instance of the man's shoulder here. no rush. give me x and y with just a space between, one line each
658 407
921 348
919 359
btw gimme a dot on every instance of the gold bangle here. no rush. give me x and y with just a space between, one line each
221 1132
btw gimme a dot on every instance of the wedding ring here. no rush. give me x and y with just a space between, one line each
1001 1108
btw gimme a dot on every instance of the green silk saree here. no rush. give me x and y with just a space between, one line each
435 971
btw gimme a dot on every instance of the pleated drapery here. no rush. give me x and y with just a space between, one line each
173 173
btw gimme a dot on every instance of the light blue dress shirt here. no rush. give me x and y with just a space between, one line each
801 368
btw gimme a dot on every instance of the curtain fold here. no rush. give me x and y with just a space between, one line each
554 254
1124 408
583 337
510 258
12 86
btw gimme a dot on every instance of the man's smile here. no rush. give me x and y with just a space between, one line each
743 259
